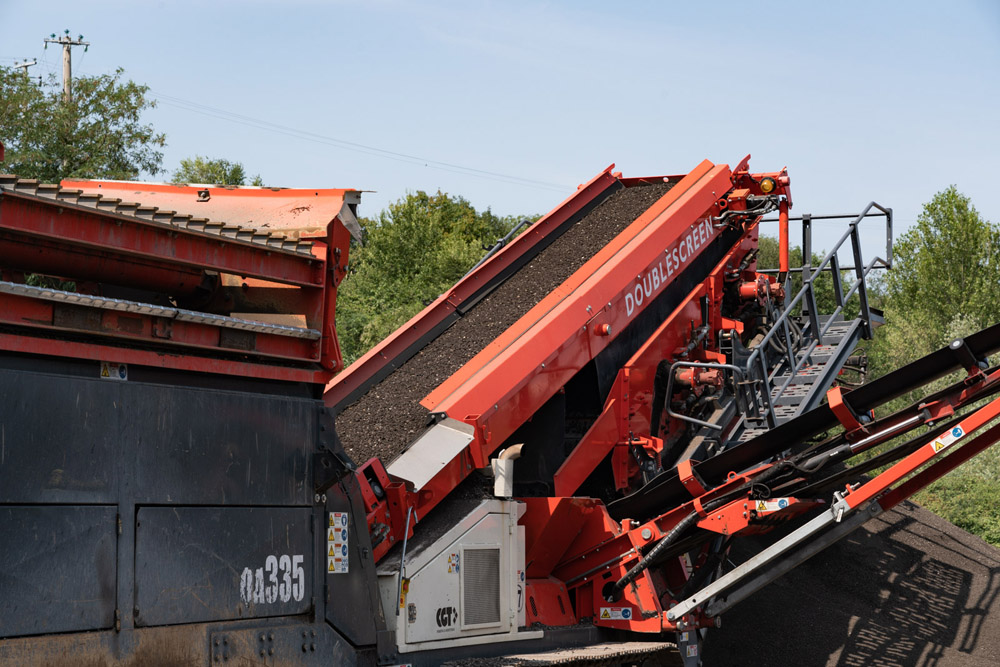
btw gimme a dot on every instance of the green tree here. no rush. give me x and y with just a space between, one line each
414 250
944 285
944 282
215 171
98 134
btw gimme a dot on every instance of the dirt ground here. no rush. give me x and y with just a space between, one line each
907 589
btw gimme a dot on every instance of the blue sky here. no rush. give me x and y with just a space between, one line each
861 100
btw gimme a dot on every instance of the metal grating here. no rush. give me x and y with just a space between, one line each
481 586
132 211
179 314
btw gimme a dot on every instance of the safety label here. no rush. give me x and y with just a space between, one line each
454 561
616 613
336 543
947 438
773 505
111 371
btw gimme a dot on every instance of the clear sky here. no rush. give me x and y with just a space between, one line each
891 101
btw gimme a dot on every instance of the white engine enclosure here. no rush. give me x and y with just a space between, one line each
463 587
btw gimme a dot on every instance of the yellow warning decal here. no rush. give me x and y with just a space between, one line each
331 518
104 371
938 445
605 614
761 506
331 552
330 561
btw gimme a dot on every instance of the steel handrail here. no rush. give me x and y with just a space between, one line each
781 324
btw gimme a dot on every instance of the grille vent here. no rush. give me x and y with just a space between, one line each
480 586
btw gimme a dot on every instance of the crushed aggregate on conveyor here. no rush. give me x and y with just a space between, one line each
385 420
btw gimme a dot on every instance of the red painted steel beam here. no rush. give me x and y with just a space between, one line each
129 237
157 359
50 257
23 311
923 455
426 320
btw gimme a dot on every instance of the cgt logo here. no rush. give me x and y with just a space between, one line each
446 617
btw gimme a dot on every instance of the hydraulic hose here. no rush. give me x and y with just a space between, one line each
670 538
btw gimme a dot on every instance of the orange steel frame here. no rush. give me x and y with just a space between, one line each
506 383
585 548
89 245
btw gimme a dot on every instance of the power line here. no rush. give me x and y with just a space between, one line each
269 126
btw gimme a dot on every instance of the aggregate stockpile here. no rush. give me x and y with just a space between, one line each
550 463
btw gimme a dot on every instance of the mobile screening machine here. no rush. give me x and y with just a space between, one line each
554 455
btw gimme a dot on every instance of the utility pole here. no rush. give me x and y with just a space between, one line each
25 65
67 43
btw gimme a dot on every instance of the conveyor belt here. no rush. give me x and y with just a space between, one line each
384 421
666 490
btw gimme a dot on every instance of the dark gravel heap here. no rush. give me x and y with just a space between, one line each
389 417
908 589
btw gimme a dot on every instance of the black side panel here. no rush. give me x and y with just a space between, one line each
58 439
198 564
58 569
241 449
353 605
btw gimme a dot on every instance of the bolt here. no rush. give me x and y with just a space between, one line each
316 498
262 637
718 621
263 653
271 636
313 633
270 651
646 533
216 642
305 647
312 647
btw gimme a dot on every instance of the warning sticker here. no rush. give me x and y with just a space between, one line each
692 650
616 613
773 505
454 561
110 371
946 439
336 543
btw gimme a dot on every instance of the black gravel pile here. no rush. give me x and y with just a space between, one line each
389 417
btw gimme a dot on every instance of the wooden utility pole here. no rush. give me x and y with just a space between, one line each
25 65
67 43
